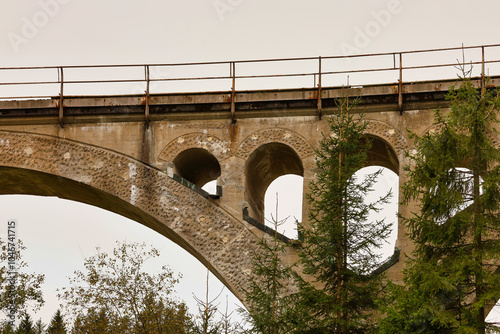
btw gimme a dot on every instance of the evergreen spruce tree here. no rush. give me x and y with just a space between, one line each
269 302
455 179
97 321
161 316
39 327
7 328
26 325
57 325
338 246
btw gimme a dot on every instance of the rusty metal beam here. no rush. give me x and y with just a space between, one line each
146 111
61 100
233 93
400 85
257 60
483 77
320 106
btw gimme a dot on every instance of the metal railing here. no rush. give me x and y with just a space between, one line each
58 82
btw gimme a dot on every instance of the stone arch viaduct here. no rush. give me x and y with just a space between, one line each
150 170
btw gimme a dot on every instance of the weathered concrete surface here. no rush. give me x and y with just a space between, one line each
44 165
106 156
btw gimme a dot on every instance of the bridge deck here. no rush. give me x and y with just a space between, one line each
211 105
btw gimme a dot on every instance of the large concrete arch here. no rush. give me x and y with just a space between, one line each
46 165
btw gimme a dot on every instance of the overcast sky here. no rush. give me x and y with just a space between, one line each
149 31
87 32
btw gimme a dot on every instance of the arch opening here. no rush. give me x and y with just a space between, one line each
210 187
198 166
265 164
59 233
286 192
18 181
382 154
387 181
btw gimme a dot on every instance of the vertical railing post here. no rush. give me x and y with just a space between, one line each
146 111
483 77
320 107
232 69
400 85
61 99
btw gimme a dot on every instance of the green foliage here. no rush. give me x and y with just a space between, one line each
28 292
338 248
97 321
57 325
454 273
404 313
269 303
26 325
115 295
164 316
39 327
7 328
